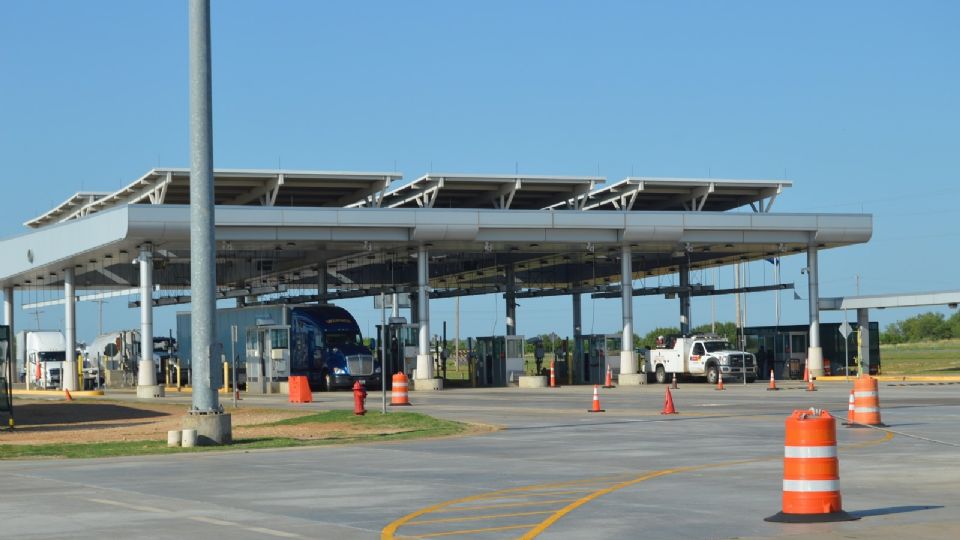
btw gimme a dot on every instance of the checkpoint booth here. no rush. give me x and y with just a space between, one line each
499 360
598 352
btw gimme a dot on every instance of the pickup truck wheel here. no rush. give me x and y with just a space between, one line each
712 374
661 375
751 379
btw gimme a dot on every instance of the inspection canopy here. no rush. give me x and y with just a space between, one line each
280 231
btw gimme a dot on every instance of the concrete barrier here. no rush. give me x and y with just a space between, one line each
533 381
189 438
174 436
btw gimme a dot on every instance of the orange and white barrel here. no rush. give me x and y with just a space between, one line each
398 390
866 402
851 407
811 470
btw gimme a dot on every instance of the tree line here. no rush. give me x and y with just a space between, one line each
928 326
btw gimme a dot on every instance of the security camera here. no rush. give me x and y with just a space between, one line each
804 270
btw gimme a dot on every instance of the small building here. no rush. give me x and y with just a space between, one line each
789 345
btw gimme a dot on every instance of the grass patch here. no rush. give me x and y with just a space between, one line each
402 426
922 358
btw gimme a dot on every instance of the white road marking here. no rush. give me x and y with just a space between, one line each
131 506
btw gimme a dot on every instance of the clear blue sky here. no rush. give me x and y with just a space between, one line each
856 102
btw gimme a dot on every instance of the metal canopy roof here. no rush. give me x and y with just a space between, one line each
69 207
685 194
277 230
367 249
234 187
518 192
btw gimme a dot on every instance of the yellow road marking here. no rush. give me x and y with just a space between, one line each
476 531
476 518
506 505
390 530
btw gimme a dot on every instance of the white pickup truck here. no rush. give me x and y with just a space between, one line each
699 355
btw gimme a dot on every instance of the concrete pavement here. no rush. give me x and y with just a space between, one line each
553 471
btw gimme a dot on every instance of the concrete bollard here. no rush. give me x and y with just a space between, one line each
189 438
173 438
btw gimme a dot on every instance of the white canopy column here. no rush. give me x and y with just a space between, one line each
68 378
8 308
814 352
629 370
424 378
146 369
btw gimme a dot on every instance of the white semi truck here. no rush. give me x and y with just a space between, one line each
40 356
704 355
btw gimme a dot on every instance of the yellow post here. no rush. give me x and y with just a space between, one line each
178 374
80 371
226 377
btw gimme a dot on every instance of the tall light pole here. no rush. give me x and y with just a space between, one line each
206 414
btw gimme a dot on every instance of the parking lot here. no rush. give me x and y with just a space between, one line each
552 470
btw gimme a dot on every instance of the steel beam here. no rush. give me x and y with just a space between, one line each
147 371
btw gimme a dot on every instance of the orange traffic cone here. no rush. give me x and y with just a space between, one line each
806 374
773 382
609 383
850 410
668 404
67 392
810 386
719 381
596 400
673 385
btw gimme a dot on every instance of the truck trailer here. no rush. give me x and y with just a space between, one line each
40 357
321 342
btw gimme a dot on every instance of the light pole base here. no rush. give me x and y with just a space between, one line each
213 428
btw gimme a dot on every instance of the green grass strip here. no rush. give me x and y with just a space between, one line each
404 426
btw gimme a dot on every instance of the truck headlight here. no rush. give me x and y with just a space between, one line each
376 369
339 371
724 360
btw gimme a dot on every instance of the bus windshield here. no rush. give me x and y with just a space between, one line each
714 346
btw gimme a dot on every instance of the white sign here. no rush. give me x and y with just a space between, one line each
845 329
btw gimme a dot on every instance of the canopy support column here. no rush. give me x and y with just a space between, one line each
68 378
863 343
684 298
511 299
814 352
146 370
424 378
629 370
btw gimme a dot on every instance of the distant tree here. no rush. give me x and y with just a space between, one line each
925 327
725 329
650 339
954 323
893 334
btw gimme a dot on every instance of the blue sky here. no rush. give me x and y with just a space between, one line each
856 102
